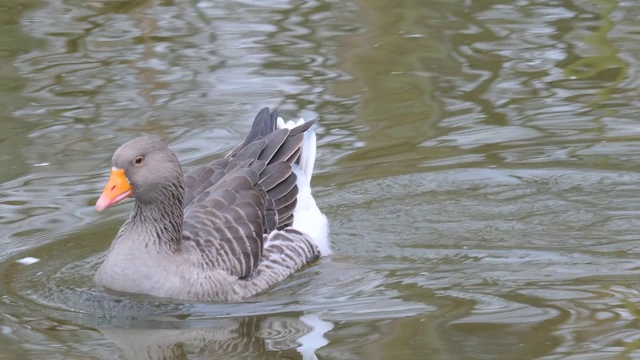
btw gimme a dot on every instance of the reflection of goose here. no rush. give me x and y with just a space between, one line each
224 231
244 338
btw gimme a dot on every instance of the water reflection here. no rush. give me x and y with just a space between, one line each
246 338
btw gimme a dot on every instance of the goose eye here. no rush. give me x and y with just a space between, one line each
138 160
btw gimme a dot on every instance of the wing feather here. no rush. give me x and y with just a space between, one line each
233 205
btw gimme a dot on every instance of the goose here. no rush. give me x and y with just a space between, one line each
221 232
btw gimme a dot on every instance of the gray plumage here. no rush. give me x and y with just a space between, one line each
220 232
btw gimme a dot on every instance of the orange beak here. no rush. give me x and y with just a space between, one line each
117 189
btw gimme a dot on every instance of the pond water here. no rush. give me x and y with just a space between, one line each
478 162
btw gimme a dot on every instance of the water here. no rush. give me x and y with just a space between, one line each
477 162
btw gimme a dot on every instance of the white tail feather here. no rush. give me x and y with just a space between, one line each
307 217
308 153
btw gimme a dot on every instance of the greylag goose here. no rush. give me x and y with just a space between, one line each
224 231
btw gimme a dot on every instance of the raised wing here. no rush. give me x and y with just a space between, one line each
233 203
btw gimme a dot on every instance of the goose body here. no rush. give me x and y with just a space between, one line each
224 231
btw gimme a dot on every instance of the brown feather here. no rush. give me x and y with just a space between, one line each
254 193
